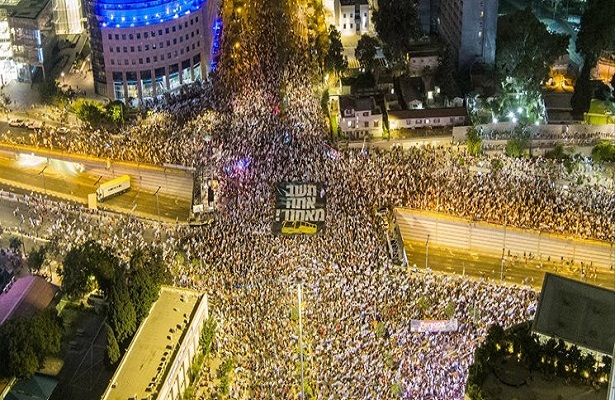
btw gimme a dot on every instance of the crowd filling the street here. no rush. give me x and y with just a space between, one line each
266 126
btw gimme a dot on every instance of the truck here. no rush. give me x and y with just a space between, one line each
113 187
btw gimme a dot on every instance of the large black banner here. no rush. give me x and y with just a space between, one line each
300 209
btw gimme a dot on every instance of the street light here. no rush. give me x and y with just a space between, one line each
62 75
44 181
299 295
502 268
157 204
427 252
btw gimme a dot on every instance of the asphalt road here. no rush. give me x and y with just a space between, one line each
64 180
516 270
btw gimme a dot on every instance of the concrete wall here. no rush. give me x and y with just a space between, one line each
491 238
556 129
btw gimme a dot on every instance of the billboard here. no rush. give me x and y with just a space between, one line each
300 209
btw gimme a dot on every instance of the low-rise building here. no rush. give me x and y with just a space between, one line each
353 17
157 362
359 117
427 117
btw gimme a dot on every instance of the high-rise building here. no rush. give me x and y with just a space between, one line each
469 27
68 17
143 49
31 34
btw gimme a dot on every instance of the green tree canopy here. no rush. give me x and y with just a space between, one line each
604 152
335 61
121 316
112 350
26 341
445 74
82 264
597 31
36 258
366 51
15 244
397 25
147 270
474 141
525 49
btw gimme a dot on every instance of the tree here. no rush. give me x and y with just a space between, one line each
90 112
146 275
5 102
525 49
15 244
474 142
445 74
112 350
115 112
583 91
86 265
76 273
25 343
51 93
208 335
366 51
397 24
122 316
604 152
36 258
597 31
335 59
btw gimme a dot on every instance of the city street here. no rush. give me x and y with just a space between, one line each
487 266
65 180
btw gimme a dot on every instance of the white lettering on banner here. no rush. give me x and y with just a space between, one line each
317 215
300 190
300 202
450 325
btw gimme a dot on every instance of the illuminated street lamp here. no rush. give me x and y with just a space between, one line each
157 205
299 295
44 181
62 75
427 252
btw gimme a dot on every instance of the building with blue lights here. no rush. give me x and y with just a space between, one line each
143 49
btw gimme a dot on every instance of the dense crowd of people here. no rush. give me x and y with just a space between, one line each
266 126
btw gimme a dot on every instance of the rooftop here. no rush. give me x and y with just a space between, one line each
28 8
576 312
429 113
359 104
26 296
151 351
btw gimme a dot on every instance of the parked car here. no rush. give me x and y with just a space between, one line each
16 122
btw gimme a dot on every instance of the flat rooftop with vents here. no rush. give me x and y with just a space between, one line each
158 359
